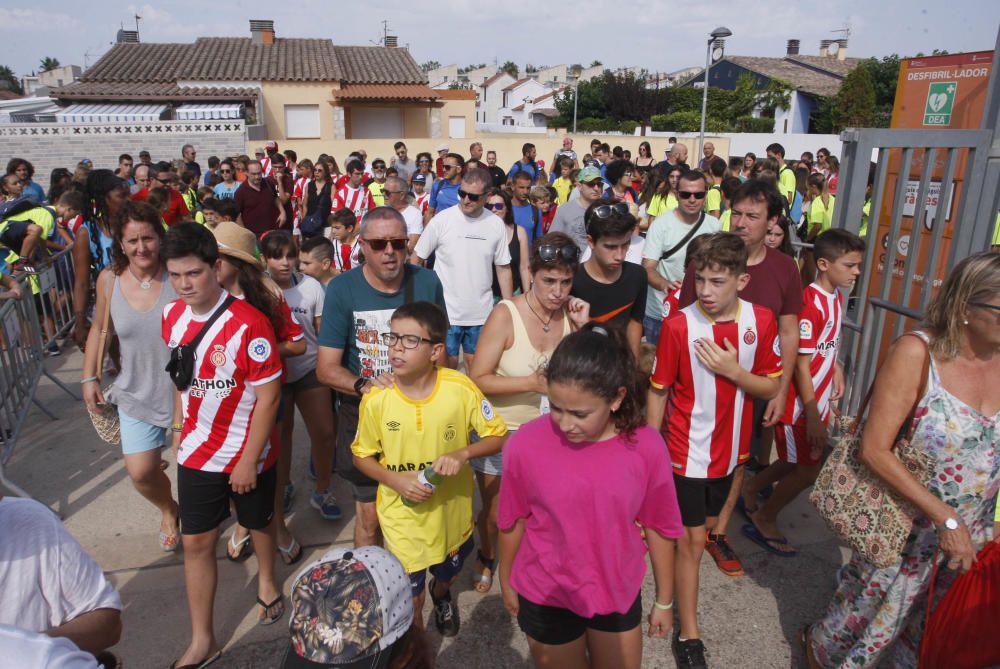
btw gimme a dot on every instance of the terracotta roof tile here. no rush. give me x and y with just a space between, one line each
378 65
494 78
802 77
839 68
96 90
517 83
387 92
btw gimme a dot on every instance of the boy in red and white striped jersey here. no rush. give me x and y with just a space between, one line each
713 357
819 379
222 422
353 194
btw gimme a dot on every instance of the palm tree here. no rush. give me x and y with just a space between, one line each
8 80
48 63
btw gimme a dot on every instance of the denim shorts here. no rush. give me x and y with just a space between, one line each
139 436
445 571
464 336
488 464
651 330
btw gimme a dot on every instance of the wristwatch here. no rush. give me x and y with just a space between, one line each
359 384
950 524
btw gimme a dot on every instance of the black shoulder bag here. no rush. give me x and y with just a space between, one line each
683 242
182 357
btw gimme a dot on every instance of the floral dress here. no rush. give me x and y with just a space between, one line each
876 617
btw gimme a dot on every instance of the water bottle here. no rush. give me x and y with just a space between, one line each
429 479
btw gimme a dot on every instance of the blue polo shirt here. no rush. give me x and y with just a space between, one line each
528 168
444 195
524 217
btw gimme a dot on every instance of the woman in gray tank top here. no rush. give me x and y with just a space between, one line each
137 285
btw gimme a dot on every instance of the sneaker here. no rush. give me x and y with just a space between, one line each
446 617
689 654
326 504
22 266
52 350
289 496
725 557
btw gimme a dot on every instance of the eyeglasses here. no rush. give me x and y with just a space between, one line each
378 167
984 305
472 197
608 210
549 252
686 194
380 244
409 341
225 171
449 167
496 206
628 174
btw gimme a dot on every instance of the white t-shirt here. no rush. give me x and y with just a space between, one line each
664 233
40 651
305 299
467 249
414 220
47 579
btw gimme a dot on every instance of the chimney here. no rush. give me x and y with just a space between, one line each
824 47
127 37
391 41
792 49
262 31
842 51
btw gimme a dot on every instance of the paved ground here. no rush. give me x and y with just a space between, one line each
750 621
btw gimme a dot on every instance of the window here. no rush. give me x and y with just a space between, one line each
302 121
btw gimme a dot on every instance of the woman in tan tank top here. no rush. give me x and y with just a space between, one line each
509 367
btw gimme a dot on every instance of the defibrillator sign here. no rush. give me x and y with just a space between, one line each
940 102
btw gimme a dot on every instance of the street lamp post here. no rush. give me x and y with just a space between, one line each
576 93
717 34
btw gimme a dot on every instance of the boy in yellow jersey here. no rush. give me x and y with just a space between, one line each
786 176
417 433
564 182
714 175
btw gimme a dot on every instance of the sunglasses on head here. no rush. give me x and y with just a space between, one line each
472 197
549 252
686 194
608 210
380 244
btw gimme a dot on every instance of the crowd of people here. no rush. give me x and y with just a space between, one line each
606 353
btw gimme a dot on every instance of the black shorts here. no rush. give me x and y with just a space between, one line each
555 626
203 500
307 382
699 499
13 235
364 488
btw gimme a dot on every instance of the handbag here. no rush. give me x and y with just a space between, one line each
959 634
856 504
180 367
105 418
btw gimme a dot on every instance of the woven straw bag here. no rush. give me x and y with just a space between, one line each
105 419
858 506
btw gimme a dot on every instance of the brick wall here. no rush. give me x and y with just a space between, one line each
51 145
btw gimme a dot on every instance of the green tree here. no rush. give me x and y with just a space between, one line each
510 67
596 63
48 63
854 106
885 75
430 65
8 80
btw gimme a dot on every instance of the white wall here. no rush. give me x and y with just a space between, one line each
742 143
491 98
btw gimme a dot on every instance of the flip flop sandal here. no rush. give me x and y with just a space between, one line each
291 553
278 604
198 665
483 582
169 541
744 509
242 548
751 532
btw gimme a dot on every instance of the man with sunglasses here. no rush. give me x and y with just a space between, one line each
666 245
444 192
570 217
352 356
468 241
405 167
161 176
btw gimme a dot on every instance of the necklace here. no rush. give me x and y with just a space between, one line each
145 284
545 323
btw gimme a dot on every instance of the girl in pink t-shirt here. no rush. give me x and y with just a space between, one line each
578 483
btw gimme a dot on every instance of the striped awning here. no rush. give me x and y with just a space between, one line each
110 113
219 110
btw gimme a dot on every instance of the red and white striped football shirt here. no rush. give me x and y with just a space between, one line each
709 418
238 353
358 200
422 200
299 193
819 336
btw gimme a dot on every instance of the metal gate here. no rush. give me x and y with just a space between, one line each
872 312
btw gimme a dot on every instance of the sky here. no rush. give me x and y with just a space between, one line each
659 35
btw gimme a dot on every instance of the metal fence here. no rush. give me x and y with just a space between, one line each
27 326
894 301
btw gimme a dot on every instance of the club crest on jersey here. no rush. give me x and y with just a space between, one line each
805 329
259 349
487 409
749 337
218 355
450 433
776 347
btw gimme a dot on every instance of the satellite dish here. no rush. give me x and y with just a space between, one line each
833 48
717 54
